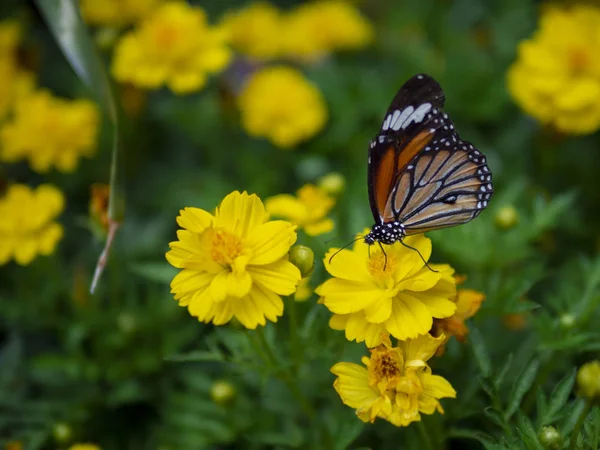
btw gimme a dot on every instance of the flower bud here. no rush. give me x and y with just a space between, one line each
507 217
550 438
222 393
333 183
567 321
303 258
62 432
588 380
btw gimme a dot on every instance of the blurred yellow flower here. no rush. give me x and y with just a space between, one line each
28 226
116 12
396 385
234 263
315 29
280 104
468 302
49 131
333 183
14 82
307 210
393 292
556 77
174 46
255 30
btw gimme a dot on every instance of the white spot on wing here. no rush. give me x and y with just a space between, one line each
395 125
394 119
386 123
418 115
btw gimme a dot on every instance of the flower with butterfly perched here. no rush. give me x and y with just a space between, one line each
280 104
308 210
556 77
396 385
395 292
234 263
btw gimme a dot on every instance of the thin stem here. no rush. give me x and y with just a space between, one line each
286 376
428 445
293 326
575 434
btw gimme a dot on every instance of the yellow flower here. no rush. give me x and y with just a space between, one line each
308 210
333 183
255 30
396 385
116 12
27 227
234 263
174 46
556 77
50 131
393 292
317 28
468 302
280 104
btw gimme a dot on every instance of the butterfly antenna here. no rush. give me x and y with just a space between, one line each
416 250
345 246
384 254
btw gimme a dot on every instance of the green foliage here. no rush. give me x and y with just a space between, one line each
127 368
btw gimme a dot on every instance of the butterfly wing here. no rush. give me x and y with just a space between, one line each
408 126
420 172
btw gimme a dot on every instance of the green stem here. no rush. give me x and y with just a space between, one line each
428 445
293 325
285 375
588 405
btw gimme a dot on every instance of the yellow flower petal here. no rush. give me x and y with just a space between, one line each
281 277
194 219
241 213
344 297
271 241
409 317
347 265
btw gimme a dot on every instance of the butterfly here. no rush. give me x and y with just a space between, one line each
421 175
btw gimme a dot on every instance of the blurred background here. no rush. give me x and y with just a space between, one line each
216 96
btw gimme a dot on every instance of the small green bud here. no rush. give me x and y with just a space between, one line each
223 393
507 217
550 438
333 183
567 321
127 322
303 258
62 432
588 380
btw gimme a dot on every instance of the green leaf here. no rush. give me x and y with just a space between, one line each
65 23
527 433
541 405
559 397
522 385
499 379
199 355
480 352
156 271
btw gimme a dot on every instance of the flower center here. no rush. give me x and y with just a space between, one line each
225 247
579 59
166 36
385 366
381 264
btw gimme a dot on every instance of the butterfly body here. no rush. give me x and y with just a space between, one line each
422 176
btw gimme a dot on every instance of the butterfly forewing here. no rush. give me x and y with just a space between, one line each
421 173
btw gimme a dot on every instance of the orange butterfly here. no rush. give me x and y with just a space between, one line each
421 175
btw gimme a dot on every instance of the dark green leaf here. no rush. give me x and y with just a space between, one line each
559 397
480 352
527 433
520 388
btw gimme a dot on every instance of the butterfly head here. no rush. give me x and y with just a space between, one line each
385 233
